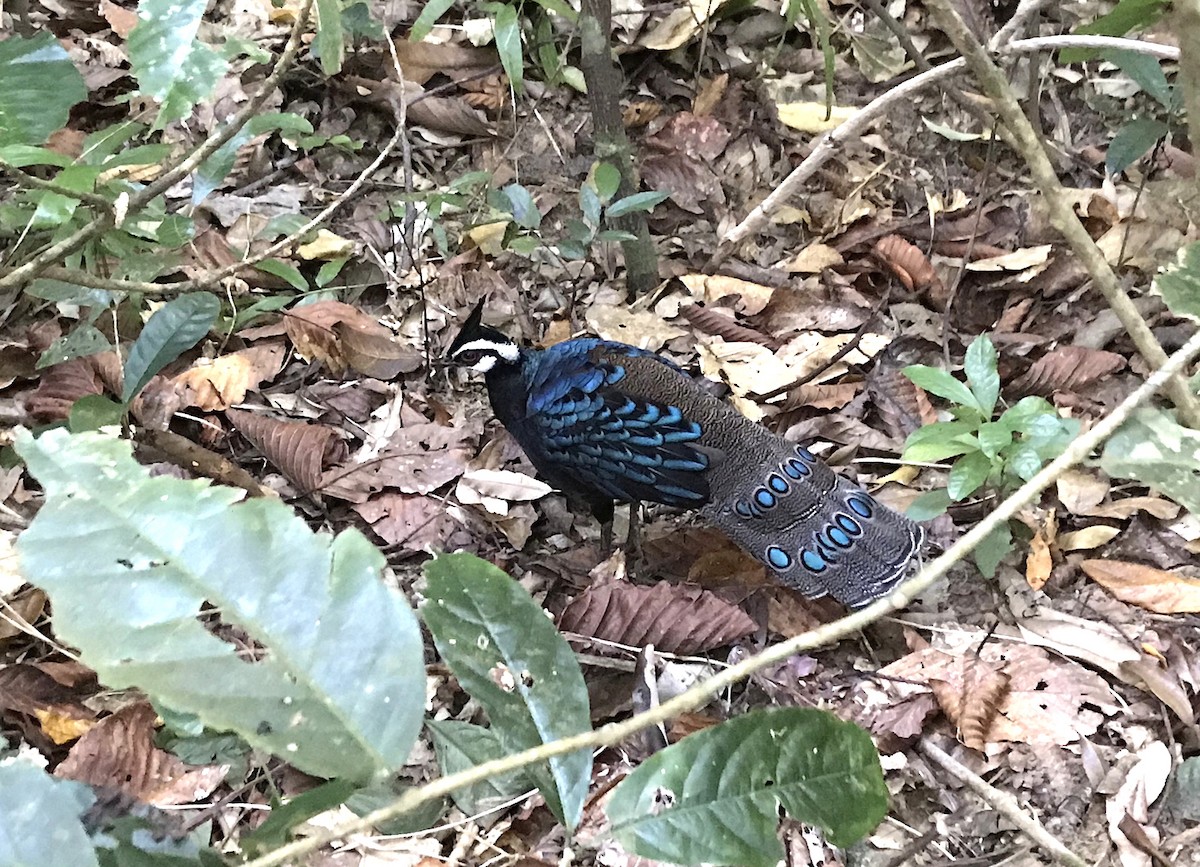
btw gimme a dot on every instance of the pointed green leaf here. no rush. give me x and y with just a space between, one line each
980 366
508 45
1133 141
461 746
507 654
968 474
929 505
994 548
939 382
431 13
169 60
174 328
638 202
136 565
331 37
40 87
715 796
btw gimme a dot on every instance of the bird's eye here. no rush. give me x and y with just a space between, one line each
469 356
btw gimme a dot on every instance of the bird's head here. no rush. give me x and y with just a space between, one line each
480 348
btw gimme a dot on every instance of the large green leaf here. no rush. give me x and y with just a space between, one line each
1179 283
170 62
174 328
714 797
461 746
1157 451
507 654
135 566
331 36
40 815
40 86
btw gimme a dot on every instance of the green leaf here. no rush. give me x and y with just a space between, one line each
968 474
174 328
1147 72
40 87
524 209
461 746
980 366
328 272
994 436
638 202
61 292
1179 283
331 39
42 816
384 792
938 450
607 179
508 45
1022 461
93 412
995 547
284 271
939 382
169 60
1126 15
940 431
589 204
1133 141
1183 798
1155 449
83 341
559 7
929 505
715 796
431 13
135 565
507 654
612 236
276 830
1021 414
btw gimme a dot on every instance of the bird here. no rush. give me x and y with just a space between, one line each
607 422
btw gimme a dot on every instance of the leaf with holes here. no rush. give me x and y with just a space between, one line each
714 797
328 673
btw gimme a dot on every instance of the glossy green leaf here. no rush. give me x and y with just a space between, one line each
431 13
42 815
994 548
276 830
939 382
507 654
338 686
174 328
607 179
508 45
993 437
980 367
522 206
40 87
83 341
331 36
1155 449
1133 141
968 475
715 796
930 504
636 203
1125 16
461 746
168 58
284 271
93 412
1147 72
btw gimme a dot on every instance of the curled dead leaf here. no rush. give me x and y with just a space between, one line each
218 383
1067 368
1153 589
299 449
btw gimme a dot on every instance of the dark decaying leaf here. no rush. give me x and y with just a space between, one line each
690 183
909 265
300 450
1067 368
674 618
702 137
29 688
720 325
973 703
119 753
409 521
59 388
901 404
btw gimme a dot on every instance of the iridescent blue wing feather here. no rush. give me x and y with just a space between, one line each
589 431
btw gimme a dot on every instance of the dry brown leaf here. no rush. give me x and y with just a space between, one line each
640 112
680 25
372 350
909 264
1128 507
1080 492
24 608
715 288
690 183
702 138
1087 538
973 702
420 61
122 21
299 450
409 521
1067 368
59 388
674 618
813 259
343 337
640 328
1040 562
710 95
720 324
418 459
28 688
1153 589
449 115
219 383
1131 804
119 753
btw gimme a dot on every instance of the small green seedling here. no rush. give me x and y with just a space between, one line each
999 454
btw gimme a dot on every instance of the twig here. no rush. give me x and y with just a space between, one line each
1003 803
93 199
56 253
1027 10
1061 213
879 107
696 696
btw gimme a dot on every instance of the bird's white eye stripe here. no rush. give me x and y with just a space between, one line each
508 351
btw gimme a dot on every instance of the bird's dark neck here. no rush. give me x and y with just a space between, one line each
507 391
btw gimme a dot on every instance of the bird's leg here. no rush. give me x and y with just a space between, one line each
602 510
633 541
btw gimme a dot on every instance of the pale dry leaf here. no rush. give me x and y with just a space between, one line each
1153 589
219 383
812 116
1087 538
1128 507
1141 788
814 259
1040 562
640 328
711 289
1080 491
680 25
1018 260
504 484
